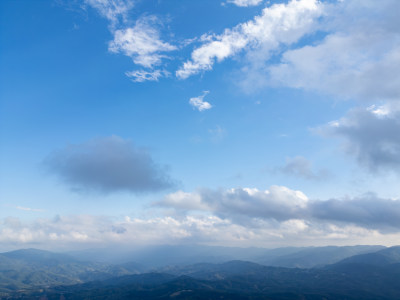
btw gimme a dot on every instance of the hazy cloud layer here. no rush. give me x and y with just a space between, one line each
108 164
371 135
84 231
282 204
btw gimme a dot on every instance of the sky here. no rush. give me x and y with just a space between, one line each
245 123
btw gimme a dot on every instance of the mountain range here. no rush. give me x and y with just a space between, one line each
373 272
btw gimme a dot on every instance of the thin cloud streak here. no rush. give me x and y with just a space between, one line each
245 3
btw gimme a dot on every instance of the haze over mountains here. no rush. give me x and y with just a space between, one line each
356 272
158 256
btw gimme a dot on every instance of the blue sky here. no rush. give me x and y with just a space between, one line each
243 122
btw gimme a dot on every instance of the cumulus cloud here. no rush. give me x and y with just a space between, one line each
371 135
246 206
108 164
245 2
278 24
199 103
301 167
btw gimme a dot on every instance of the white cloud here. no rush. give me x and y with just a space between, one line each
142 42
199 103
245 2
278 24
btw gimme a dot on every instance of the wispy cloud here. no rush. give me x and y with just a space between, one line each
141 42
278 24
113 10
217 134
301 167
143 75
199 103
245 3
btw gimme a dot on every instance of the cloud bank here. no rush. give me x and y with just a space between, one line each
236 217
244 205
108 164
